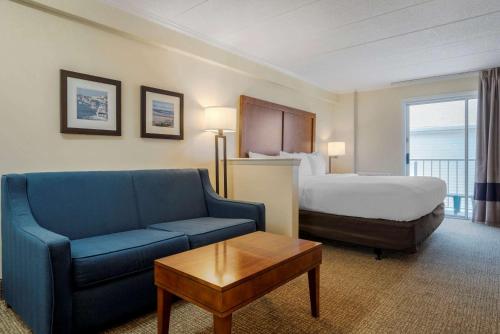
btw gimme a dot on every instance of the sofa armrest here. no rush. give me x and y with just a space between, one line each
224 208
36 264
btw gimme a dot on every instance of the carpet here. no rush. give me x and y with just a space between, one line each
452 285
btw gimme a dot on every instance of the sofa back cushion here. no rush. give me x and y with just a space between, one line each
83 204
167 195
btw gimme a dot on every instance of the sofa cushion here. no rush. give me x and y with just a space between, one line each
206 230
167 195
106 257
83 204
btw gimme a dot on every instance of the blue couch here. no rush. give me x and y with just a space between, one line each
78 247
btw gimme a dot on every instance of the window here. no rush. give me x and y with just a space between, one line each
441 142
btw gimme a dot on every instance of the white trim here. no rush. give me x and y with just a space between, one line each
466 160
440 97
436 78
355 135
406 137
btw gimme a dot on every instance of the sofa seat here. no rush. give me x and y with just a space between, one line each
107 257
207 230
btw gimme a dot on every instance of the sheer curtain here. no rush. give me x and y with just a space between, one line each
487 183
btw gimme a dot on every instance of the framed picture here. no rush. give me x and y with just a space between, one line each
90 105
162 114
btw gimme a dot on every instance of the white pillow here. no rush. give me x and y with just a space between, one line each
305 168
318 164
254 155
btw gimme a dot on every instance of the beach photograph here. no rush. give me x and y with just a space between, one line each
163 114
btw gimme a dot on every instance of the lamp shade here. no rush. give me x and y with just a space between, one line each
220 118
336 148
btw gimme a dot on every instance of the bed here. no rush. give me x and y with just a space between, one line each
383 212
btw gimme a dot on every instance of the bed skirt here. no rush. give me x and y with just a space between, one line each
377 233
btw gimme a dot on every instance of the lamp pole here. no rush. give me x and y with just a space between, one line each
220 120
220 135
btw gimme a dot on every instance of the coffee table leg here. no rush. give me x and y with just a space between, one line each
222 325
313 276
164 300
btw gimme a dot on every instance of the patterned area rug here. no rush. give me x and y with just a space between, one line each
451 286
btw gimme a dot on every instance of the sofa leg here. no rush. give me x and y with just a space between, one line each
378 253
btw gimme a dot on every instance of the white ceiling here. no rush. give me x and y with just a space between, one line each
342 45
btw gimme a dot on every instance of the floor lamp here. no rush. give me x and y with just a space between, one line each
220 120
335 149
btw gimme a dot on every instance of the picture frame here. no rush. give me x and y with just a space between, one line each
90 104
162 114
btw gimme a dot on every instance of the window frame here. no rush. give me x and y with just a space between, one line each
459 96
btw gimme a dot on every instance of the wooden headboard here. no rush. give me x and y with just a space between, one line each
268 128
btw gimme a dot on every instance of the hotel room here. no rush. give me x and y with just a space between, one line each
223 166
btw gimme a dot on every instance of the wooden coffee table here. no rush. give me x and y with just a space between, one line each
225 276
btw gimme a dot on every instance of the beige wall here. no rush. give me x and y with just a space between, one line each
380 122
343 130
36 44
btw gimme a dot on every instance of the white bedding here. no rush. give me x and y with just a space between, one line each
399 198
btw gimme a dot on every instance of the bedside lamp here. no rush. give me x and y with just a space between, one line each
220 120
335 149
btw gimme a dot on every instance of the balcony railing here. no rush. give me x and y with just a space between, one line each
459 181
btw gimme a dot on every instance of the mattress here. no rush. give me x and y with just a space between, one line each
398 198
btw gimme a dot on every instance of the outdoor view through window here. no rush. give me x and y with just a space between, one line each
441 142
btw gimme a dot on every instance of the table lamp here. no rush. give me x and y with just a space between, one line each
335 149
220 120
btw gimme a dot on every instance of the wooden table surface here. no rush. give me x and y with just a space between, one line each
227 275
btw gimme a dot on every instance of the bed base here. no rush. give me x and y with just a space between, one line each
380 234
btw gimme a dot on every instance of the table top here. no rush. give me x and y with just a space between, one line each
227 263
